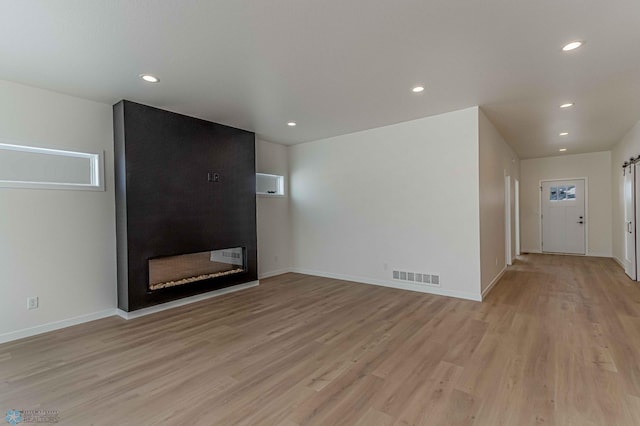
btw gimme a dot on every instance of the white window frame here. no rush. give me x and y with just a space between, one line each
96 162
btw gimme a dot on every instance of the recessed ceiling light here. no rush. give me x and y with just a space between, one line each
572 46
417 89
562 149
567 105
149 78
564 133
291 124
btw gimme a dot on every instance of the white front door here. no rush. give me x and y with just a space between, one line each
629 222
563 216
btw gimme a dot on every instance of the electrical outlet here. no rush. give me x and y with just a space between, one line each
32 303
496 261
385 266
275 258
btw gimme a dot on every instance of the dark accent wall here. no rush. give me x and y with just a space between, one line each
167 204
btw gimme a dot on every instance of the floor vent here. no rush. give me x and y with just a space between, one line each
417 277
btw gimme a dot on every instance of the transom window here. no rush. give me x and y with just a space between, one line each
24 166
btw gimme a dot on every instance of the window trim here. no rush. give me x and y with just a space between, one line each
96 162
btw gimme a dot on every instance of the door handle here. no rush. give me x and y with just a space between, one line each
629 227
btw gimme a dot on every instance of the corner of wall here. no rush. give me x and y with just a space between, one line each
496 161
274 227
348 192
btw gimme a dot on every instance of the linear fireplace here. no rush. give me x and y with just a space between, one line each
185 206
171 271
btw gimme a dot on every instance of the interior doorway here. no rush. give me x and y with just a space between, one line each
507 219
563 219
517 215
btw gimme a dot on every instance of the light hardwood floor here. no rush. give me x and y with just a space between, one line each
557 342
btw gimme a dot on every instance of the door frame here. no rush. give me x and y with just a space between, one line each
634 201
517 215
586 211
507 220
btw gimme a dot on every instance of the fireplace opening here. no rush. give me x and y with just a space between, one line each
171 271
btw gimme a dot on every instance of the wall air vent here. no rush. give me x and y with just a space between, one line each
417 277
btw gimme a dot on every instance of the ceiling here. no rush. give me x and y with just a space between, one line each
336 67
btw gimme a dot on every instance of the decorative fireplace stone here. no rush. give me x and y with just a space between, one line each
171 271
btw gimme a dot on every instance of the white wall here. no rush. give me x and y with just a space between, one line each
274 228
57 245
403 196
594 166
628 147
497 160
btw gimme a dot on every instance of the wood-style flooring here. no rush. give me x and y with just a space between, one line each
557 342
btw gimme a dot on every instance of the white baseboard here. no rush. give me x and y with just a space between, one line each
534 251
589 254
599 254
274 273
494 282
393 284
185 301
619 262
56 325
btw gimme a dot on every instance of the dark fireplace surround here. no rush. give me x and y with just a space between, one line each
185 194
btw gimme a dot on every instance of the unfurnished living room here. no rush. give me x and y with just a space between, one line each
299 212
